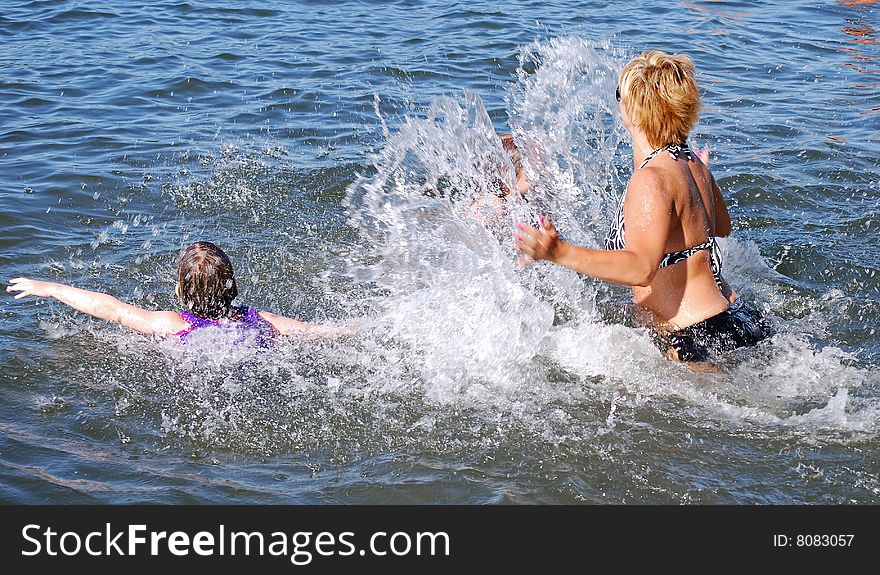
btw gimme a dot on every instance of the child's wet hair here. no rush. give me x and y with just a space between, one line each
513 151
496 184
205 281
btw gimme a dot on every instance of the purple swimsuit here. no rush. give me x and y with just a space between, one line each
245 320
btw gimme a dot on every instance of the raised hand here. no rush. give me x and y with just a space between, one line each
703 155
538 244
30 287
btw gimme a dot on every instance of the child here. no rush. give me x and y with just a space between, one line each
499 191
205 286
516 159
489 207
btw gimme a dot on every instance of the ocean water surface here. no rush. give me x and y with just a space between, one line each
333 149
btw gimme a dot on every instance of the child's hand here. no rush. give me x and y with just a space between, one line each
345 331
30 287
704 155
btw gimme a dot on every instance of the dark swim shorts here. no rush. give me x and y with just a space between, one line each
739 325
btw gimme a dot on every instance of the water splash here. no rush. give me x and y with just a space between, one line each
475 327
463 351
563 108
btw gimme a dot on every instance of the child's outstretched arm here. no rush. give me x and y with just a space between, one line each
101 305
289 326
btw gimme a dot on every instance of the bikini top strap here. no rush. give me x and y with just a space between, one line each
675 257
650 156
675 151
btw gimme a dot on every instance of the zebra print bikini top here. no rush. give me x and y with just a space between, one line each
616 239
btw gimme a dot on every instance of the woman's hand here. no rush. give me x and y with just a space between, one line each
30 287
538 244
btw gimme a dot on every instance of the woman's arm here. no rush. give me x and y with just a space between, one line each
722 217
648 213
289 326
624 267
100 305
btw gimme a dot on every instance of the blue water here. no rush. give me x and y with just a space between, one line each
310 139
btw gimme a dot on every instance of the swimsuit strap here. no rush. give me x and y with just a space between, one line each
675 152
675 257
650 156
714 258
715 263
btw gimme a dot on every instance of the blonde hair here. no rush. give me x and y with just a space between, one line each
659 92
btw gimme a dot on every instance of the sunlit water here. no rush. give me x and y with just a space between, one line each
334 151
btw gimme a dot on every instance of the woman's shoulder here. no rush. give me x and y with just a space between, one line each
650 182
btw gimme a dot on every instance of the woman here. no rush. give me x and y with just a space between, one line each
662 242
